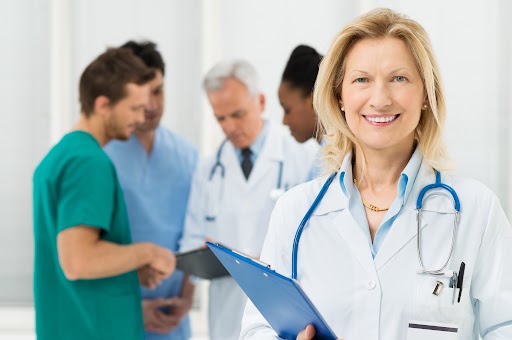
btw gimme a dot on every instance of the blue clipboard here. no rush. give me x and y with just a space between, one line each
279 299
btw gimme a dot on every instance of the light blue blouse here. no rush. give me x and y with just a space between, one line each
356 208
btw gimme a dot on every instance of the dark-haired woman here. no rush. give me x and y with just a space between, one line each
296 96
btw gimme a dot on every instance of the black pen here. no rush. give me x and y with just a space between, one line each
460 279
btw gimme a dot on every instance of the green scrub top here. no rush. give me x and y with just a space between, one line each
76 184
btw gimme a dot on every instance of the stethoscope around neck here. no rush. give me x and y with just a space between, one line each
213 204
419 205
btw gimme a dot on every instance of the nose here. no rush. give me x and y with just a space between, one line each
228 126
151 106
380 96
140 117
286 119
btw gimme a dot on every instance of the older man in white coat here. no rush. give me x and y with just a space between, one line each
233 192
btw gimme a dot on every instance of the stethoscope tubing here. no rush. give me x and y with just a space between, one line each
218 165
305 220
419 204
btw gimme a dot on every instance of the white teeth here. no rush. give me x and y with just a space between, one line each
381 119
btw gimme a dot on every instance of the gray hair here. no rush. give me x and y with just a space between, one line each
240 70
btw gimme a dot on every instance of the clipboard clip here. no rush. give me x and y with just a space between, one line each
266 265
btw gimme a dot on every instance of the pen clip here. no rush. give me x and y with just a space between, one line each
453 283
460 279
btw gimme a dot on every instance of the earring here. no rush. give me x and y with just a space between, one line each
424 106
341 105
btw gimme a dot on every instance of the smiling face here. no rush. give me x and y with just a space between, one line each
382 94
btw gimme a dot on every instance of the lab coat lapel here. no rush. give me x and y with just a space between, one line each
269 158
233 166
335 208
357 241
404 228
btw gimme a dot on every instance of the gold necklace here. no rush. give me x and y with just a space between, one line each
369 205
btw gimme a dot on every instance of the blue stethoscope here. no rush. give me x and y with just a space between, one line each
212 208
437 185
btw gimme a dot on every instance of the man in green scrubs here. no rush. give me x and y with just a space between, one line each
85 280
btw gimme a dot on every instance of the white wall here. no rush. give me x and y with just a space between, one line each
174 25
24 78
472 41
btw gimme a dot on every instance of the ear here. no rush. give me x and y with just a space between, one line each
309 98
262 101
342 108
101 104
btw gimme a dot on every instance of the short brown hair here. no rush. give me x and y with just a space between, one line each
108 76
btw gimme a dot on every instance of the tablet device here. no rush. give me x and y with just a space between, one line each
202 263
279 299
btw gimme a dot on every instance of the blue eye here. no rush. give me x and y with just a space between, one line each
361 80
400 78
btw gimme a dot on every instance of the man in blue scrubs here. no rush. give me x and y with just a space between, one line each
155 168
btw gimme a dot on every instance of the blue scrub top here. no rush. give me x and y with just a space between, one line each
156 189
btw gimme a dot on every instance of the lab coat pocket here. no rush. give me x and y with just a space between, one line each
438 308
121 317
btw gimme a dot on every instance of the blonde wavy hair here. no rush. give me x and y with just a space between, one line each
379 23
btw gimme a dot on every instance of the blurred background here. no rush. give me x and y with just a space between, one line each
47 43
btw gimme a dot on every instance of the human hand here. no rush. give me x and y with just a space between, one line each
207 239
149 278
307 334
162 261
155 320
180 306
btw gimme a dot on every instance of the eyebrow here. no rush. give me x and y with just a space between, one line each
400 69
229 114
359 71
393 71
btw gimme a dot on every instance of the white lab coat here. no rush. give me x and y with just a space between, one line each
244 209
362 298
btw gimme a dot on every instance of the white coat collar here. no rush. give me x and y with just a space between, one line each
273 146
344 180
272 152
404 228
337 197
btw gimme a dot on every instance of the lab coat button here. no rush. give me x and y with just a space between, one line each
371 284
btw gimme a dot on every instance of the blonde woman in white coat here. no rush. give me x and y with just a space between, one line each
380 99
